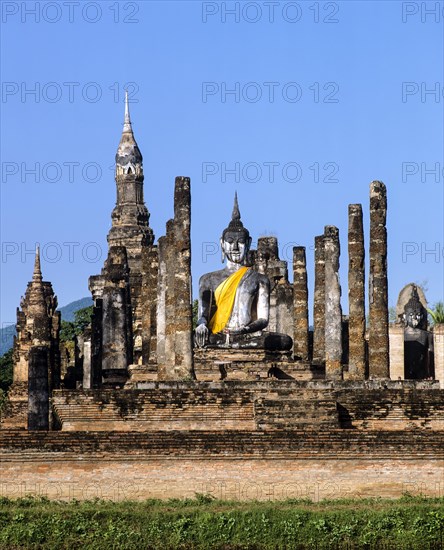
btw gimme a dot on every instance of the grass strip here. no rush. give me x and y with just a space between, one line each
411 522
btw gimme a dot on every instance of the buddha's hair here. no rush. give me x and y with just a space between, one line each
236 225
414 304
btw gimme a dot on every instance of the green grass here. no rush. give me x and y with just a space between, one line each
406 523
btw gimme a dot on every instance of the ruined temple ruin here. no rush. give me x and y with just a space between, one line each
142 366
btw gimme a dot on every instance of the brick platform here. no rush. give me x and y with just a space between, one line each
262 405
233 465
243 440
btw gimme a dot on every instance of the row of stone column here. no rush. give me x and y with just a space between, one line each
327 312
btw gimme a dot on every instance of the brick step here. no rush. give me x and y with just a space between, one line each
149 410
301 444
148 415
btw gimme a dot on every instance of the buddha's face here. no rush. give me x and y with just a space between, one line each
235 245
412 318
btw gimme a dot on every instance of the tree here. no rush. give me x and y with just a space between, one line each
67 331
6 370
82 318
437 313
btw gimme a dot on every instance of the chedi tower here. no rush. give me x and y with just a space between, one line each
36 354
129 237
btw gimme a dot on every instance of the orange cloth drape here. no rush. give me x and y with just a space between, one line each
224 295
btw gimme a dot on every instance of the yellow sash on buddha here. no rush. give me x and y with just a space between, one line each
224 295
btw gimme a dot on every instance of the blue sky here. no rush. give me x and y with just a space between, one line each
325 97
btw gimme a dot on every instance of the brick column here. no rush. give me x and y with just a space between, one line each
333 312
184 365
117 325
38 388
170 302
356 293
150 267
87 382
396 336
174 307
378 286
161 309
319 303
300 303
438 344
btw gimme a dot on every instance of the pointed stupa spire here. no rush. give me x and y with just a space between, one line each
128 153
127 120
35 293
37 275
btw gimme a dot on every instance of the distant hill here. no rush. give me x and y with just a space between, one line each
69 310
6 338
7 333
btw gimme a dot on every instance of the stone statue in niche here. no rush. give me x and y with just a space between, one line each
418 341
234 302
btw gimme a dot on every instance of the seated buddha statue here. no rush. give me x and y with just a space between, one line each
418 342
234 302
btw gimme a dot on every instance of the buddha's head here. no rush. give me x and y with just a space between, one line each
235 241
413 311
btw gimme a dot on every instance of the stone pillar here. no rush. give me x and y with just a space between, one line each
281 291
174 304
396 335
150 263
378 287
438 344
79 343
87 371
333 312
116 320
356 293
319 303
300 303
283 299
161 309
96 284
38 388
182 284
170 302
